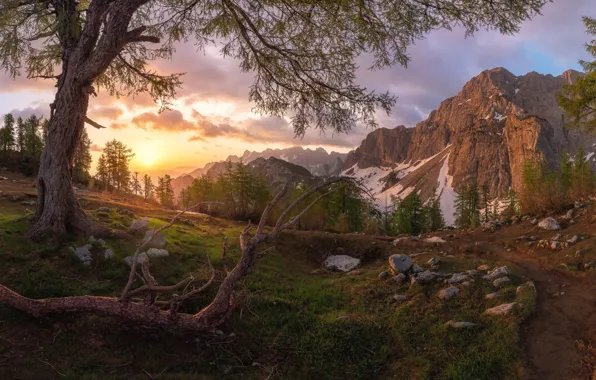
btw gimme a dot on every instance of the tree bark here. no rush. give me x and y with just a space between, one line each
58 210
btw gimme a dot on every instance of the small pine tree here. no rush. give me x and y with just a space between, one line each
409 215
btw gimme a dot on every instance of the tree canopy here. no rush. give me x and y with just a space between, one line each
303 53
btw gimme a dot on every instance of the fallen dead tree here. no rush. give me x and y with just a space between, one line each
142 304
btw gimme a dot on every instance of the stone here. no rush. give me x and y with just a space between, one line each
549 224
528 285
492 296
127 212
503 309
435 239
457 278
400 278
496 273
400 298
483 268
108 254
557 237
472 272
342 263
569 214
423 277
460 325
534 221
396 241
84 254
555 245
499 282
139 225
433 261
466 284
416 268
140 259
448 293
573 239
159 241
156 252
400 263
383 275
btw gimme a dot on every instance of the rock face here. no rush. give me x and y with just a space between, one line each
484 133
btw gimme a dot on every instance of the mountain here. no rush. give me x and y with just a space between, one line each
484 133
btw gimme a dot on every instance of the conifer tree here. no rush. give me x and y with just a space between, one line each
7 140
147 187
135 184
433 214
409 214
485 202
82 159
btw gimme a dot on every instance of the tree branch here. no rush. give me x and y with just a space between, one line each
93 123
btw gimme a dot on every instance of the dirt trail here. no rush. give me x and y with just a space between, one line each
550 335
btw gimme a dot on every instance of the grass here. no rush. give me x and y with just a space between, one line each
293 321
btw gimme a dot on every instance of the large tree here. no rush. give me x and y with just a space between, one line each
302 53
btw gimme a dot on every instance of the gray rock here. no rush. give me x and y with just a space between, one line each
139 225
400 298
84 254
383 275
400 263
140 259
504 309
573 239
423 277
499 282
534 221
549 224
496 273
343 263
472 272
457 278
569 214
460 325
433 261
466 284
492 296
448 293
416 268
156 252
158 241
108 254
557 237
400 278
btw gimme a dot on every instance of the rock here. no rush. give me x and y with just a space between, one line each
504 309
457 278
534 221
396 241
158 241
472 272
400 298
569 214
492 296
156 252
555 245
103 209
496 273
127 212
423 277
416 268
84 254
483 268
3 178
557 237
448 293
466 284
435 239
433 261
499 282
139 225
460 325
528 285
573 239
343 263
108 254
549 224
383 276
140 259
400 278
400 263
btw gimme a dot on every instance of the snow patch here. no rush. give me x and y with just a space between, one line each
516 90
499 117
446 193
468 100
435 239
589 155
342 263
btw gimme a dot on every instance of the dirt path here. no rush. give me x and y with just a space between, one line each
550 336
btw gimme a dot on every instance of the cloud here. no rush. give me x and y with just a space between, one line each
169 121
96 148
109 112
37 109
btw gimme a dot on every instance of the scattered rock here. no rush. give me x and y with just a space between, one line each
159 241
108 254
400 263
156 252
435 239
127 212
483 268
433 261
448 293
400 298
496 273
343 263
423 277
3 178
504 309
549 224
499 282
396 241
492 296
569 214
534 221
400 278
573 239
557 237
457 278
355 272
472 272
416 268
460 325
558 294
139 225
528 285
103 209
140 259
555 245
383 275
84 254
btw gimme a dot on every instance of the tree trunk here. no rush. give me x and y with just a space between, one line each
58 210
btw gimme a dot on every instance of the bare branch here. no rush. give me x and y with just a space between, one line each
93 123
269 207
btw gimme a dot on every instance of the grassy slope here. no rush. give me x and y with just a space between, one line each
287 325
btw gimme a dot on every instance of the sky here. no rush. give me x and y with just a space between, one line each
211 117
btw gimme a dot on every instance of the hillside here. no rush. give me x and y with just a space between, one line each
485 134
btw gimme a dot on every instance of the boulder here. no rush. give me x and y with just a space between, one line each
472 272
84 254
527 286
448 293
108 254
342 263
383 275
139 225
156 252
400 278
492 296
423 277
549 224
504 309
557 237
400 263
457 278
496 273
460 325
499 282
158 241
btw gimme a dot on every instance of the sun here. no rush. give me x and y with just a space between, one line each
147 153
